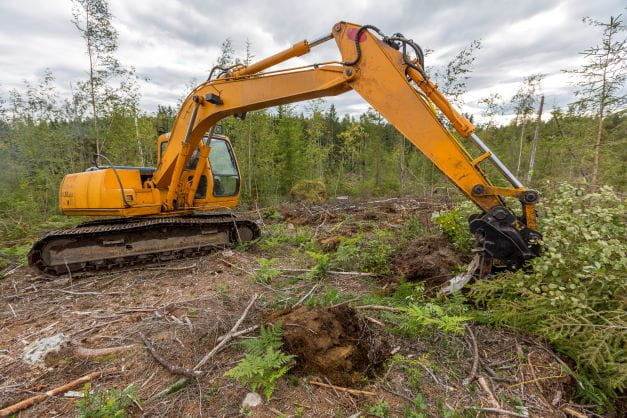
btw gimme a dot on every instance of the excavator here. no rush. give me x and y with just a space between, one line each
183 207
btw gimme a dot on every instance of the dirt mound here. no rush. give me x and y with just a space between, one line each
333 342
430 258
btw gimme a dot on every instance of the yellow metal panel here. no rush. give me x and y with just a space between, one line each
380 79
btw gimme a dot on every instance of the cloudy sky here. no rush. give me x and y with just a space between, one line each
172 42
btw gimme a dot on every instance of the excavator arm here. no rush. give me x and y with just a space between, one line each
380 70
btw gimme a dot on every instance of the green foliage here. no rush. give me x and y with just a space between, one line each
311 191
111 404
411 228
266 273
454 225
449 317
279 235
371 254
381 409
418 408
421 314
16 253
407 293
320 269
574 295
264 363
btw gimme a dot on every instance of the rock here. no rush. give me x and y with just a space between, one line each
37 350
252 400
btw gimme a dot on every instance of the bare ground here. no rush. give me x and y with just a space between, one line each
185 306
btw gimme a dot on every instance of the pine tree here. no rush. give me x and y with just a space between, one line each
601 79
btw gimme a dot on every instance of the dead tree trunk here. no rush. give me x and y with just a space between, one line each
534 144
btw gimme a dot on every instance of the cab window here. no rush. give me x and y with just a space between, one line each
223 168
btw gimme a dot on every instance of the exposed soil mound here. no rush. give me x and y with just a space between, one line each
430 258
333 342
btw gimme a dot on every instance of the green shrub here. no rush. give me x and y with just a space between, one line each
320 269
411 228
449 316
278 235
454 225
311 191
16 253
264 363
418 408
348 252
421 314
111 404
266 273
575 294
381 409
370 254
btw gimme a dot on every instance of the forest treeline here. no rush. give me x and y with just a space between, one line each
43 136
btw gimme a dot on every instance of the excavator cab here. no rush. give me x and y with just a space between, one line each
219 174
108 190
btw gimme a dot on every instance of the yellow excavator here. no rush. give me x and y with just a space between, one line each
182 207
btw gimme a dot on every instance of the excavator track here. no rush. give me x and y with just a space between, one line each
123 242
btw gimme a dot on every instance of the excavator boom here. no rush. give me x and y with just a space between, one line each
388 73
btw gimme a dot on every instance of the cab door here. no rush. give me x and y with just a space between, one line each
224 169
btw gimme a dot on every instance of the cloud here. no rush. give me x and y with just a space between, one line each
172 42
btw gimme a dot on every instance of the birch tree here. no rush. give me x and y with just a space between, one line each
93 18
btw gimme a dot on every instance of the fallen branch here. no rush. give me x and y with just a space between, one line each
379 308
341 273
572 412
400 395
7 272
484 385
84 352
234 266
537 380
342 389
475 358
229 335
375 321
301 300
69 292
493 374
238 333
171 367
225 339
502 411
27 403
